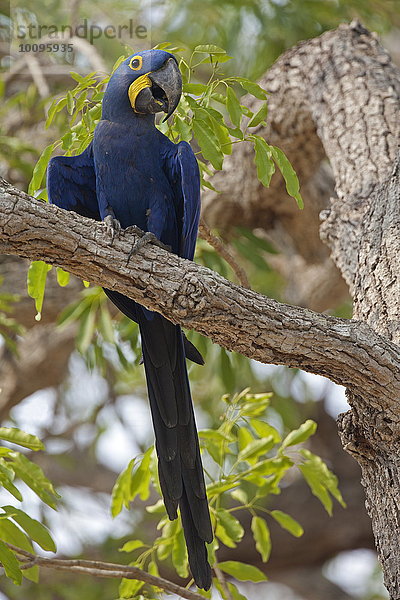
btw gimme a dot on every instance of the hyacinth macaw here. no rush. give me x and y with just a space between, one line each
132 174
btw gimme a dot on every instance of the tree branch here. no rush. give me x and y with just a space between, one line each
348 352
206 234
101 569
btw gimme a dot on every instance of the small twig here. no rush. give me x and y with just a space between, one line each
37 75
219 246
221 578
101 569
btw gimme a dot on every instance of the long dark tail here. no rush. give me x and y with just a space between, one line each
177 445
180 469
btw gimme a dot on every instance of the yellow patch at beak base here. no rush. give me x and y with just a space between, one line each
137 86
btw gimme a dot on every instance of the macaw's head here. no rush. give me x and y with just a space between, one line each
145 83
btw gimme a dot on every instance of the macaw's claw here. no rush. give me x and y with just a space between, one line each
147 237
113 226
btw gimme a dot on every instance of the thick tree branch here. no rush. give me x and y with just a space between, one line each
346 351
102 569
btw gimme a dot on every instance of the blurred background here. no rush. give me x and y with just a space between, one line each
84 394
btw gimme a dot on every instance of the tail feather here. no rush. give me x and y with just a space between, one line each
177 445
129 308
197 553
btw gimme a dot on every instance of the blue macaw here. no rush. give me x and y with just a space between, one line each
132 174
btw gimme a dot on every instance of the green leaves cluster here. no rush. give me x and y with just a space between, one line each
246 460
214 117
97 333
16 527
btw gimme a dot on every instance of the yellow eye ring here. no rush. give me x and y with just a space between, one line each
136 63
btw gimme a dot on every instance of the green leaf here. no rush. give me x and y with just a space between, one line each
40 169
120 495
264 429
256 448
262 537
236 132
6 471
227 372
34 478
70 102
223 136
253 88
56 106
233 106
106 325
216 435
17 436
8 485
129 588
10 564
153 568
194 88
77 77
321 480
157 508
287 522
263 160
234 592
119 61
179 555
240 495
183 129
37 275
36 530
230 524
244 438
289 175
131 546
217 488
299 435
63 277
242 571
12 534
209 49
260 115
87 328
208 143
140 482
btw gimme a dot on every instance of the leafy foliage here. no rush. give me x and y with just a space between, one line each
16 527
246 460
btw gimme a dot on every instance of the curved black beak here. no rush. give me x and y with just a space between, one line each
165 91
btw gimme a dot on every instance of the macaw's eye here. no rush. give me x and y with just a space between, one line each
136 63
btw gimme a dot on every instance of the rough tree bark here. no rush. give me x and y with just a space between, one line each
339 96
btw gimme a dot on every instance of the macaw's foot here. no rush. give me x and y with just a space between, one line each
113 226
147 237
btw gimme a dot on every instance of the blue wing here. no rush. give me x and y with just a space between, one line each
184 172
71 183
